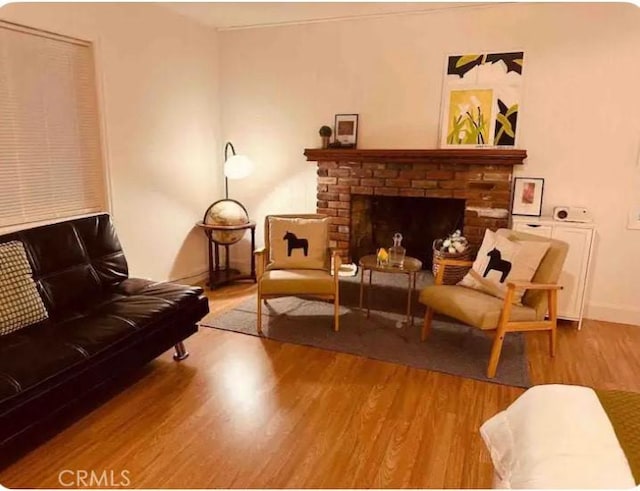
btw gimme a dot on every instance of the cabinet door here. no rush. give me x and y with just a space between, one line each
574 273
533 228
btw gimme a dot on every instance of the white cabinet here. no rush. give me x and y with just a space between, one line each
575 273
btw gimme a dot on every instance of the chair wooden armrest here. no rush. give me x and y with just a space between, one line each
528 285
260 254
443 263
336 261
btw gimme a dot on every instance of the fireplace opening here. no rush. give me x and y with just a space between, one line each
374 220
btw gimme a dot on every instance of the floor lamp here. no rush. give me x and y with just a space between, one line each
235 166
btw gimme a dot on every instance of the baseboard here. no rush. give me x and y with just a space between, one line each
613 313
195 279
202 277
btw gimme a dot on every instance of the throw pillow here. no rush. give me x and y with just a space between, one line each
501 260
298 243
20 302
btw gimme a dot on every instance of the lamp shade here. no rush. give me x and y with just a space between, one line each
238 167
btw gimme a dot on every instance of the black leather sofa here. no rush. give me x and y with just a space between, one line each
101 324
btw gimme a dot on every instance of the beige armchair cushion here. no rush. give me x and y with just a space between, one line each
297 242
297 282
471 306
548 272
501 260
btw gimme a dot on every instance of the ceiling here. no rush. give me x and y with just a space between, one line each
237 15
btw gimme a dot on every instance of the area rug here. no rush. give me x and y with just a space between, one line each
451 347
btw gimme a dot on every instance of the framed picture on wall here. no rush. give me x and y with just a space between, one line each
468 119
481 99
527 196
347 130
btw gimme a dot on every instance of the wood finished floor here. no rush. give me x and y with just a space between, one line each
245 412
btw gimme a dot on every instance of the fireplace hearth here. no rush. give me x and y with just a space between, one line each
374 220
352 180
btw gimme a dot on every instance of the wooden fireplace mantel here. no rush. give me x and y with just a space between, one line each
484 156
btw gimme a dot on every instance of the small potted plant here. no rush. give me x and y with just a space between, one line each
325 133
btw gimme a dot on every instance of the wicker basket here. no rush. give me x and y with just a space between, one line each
452 274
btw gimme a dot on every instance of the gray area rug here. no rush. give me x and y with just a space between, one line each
451 347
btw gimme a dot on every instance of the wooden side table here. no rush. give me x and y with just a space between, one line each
221 275
411 267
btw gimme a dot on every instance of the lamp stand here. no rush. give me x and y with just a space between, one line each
228 146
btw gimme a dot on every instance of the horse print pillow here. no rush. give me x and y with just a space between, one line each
298 243
501 260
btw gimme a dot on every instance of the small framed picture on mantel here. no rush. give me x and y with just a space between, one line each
346 130
527 196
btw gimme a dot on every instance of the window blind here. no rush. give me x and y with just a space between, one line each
50 150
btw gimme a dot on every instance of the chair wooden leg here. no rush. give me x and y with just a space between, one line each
259 319
336 313
553 317
496 349
501 331
426 325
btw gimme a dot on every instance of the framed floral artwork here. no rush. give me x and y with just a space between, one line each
469 116
500 73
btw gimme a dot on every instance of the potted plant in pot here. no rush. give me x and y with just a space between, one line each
325 133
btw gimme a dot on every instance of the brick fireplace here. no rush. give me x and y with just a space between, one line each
480 177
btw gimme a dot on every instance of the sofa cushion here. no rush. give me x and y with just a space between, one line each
73 262
297 281
7 388
178 294
103 249
471 306
34 354
41 351
93 333
137 310
20 302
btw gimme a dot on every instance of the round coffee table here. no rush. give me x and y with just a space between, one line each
410 267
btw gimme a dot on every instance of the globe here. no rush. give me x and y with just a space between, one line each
226 212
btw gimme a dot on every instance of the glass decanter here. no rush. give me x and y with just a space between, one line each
397 252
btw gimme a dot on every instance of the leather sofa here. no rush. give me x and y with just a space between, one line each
101 324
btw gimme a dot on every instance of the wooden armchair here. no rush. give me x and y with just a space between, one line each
489 313
313 282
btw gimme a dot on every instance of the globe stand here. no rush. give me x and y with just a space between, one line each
221 233
223 274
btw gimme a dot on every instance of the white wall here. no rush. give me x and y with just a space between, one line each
159 74
580 121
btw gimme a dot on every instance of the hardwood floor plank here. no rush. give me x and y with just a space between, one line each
246 412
